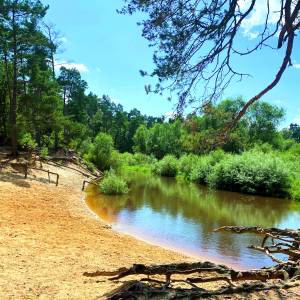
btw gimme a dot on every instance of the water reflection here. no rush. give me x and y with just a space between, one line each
183 216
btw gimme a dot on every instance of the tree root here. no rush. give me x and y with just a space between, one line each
283 275
140 290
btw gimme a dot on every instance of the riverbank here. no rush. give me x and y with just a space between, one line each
49 238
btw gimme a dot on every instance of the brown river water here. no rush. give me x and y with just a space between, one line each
183 216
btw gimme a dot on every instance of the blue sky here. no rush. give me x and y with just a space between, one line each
109 51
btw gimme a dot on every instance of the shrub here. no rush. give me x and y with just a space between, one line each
217 155
185 165
143 159
83 147
295 188
201 169
168 166
113 185
252 173
91 167
27 141
44 151
117 160
127 159
100 152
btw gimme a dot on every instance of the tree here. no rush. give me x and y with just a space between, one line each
101 151
164 139
263 121
73 88
197 41
41 109
54 42
295 132
140 139
20 32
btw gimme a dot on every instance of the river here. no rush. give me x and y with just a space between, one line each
183 216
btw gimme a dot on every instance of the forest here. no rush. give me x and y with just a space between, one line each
47 109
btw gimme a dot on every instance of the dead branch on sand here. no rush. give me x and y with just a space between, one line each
285 274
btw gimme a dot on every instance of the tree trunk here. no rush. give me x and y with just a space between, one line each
13 104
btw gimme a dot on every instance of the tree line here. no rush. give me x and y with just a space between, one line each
42 108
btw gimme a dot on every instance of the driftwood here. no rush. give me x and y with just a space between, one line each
284 274
283 241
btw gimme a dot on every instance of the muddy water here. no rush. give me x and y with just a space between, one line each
182 217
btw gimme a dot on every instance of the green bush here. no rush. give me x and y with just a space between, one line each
198 168
217 155
185 165
89 165
117 160
252 173
100 152
83 147
113 185
143 159
201 170
168 166
295 188
27 141
127 159
44 151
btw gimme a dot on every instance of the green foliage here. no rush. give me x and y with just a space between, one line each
52 112
27 141
252 173
113 185
83 146
89 165
100 153
168 166
295 187
186 164
201 170
116 161
136 159
160 140
140 139
143 159
44 151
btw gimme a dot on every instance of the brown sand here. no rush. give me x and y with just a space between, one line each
48 239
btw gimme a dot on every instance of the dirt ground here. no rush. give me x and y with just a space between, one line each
49 238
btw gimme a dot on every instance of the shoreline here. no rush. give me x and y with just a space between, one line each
49 238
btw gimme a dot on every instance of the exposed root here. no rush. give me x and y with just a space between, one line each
140 290
284 275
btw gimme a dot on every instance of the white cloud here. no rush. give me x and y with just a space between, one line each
68 65
258 15
296 66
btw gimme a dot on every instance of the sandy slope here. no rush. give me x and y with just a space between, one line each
48 239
